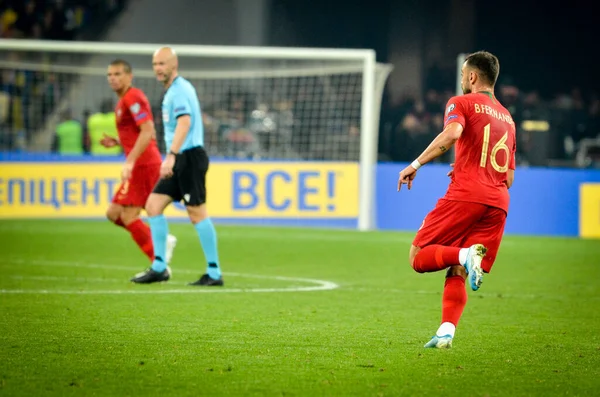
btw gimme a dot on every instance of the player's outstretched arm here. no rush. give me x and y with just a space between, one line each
442 143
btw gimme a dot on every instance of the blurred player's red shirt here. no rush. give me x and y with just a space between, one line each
132 110
484 152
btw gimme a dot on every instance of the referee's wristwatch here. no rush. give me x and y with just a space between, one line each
173 153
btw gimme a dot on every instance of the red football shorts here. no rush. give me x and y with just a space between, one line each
462 224
136 190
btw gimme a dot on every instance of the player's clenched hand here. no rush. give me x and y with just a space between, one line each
451 171
109 141
166 168
126 171
406 177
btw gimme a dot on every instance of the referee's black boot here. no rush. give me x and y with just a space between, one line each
151 276
207 281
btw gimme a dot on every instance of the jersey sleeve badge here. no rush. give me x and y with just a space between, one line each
135 108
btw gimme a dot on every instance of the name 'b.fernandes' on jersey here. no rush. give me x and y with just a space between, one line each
485 151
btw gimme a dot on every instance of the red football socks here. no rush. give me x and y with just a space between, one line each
142 236
435 257
454 299
119 222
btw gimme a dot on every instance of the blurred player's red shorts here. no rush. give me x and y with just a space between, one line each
136 190
462 224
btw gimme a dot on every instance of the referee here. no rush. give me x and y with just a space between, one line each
182 173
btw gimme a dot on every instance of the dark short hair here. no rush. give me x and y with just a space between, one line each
487 65
121 62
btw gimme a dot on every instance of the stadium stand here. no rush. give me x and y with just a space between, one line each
26 93
559 131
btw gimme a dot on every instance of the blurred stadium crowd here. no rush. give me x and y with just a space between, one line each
53 19
559 131
28 97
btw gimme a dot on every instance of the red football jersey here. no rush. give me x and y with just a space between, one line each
132 110
484 152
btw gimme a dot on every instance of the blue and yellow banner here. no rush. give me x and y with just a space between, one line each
236 190
589 210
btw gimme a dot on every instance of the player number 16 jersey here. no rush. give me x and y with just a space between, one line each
485 151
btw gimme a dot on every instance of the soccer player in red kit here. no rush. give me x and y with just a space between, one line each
140 172
463 232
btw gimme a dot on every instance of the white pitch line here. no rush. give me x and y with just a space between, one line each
43 262
321 285
79 279
324 286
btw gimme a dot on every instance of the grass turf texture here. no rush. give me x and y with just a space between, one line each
531 330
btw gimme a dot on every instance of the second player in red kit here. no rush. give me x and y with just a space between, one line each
463 232
140 173
141 170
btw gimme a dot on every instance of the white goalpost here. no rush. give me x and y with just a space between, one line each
460 60
259 103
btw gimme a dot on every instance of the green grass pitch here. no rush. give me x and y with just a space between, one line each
304 312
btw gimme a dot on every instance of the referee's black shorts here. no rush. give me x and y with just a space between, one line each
188 182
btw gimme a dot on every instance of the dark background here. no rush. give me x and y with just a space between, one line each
545 46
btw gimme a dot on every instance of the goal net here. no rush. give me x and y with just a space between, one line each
258 103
